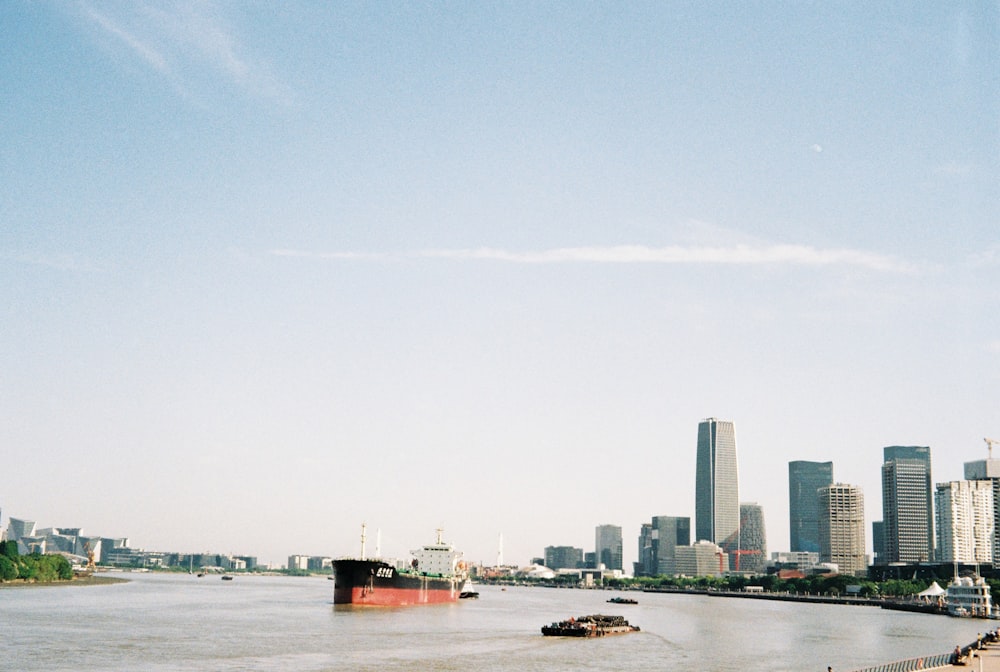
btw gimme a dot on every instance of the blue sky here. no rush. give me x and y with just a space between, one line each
271 270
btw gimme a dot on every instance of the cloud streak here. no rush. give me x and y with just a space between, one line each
184 42
59 262
737 255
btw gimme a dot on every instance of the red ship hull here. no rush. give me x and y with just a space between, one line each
374 583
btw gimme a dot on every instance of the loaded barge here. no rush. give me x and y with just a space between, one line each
595 625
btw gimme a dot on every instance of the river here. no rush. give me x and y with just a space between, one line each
181 622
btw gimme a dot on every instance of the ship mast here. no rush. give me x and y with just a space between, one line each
364 527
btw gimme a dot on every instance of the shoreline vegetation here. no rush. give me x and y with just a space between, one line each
84 580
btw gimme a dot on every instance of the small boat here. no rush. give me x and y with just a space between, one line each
623 600
226 577
468 593
595 625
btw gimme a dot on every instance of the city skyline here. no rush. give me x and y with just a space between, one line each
272 272
842 528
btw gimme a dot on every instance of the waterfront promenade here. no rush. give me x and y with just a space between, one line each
983 659
986 659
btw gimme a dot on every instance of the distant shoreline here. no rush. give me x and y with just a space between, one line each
76 581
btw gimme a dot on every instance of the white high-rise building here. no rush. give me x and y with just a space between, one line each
842 528
988 470
702 558
965 522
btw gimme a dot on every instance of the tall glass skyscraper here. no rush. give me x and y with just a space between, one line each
907 506
608 546
717 490
669 532
804 481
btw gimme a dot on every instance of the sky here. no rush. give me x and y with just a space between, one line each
269 271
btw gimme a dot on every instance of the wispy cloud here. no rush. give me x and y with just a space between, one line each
185 41
954 168
147 53
60 262
987 257
737 255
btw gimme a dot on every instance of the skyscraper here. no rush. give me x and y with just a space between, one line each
907 507
964 521
669 532
989 470
842 528
563 557
608 546
717 492
753 540
645 565
804 481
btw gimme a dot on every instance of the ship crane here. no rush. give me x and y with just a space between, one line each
989 445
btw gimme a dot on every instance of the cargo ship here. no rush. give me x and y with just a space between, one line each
436 573
595 625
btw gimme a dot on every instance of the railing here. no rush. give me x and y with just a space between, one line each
921 663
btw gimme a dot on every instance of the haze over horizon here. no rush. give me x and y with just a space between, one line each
272 271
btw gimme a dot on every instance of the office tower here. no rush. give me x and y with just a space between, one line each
878 542
563 557
989 470
643 566
842 528
702 558
964 521
804 481
608 546
907 507
669 533
752 555
717 492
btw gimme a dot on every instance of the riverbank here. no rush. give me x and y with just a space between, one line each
92 580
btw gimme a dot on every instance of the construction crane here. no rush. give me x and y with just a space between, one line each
89 550
989 445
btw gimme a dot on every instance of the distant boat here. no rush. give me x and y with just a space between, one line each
623 600
226 577
467 593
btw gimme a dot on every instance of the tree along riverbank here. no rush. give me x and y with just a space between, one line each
32 568
83 580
